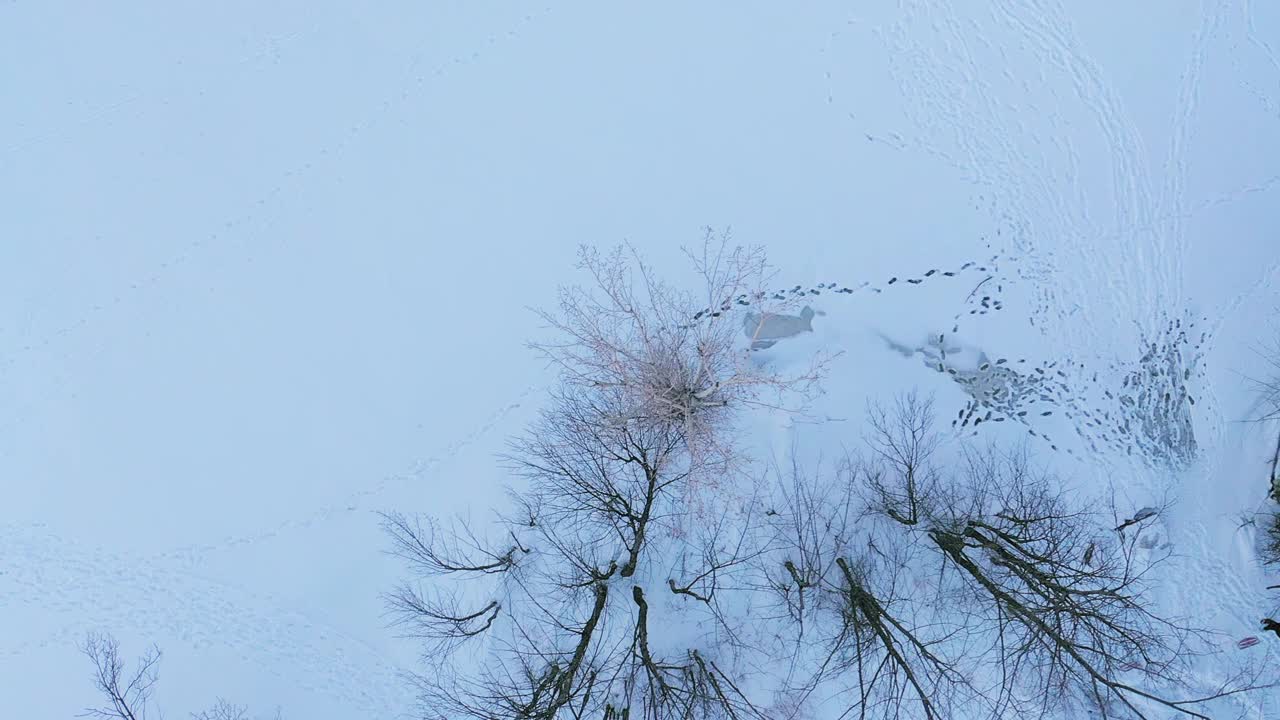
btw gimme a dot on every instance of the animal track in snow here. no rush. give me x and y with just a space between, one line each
91 588
1141 407
192 555
250 223
799 292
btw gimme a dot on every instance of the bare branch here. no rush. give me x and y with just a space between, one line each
127 695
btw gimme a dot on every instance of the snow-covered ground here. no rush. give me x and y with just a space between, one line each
264 271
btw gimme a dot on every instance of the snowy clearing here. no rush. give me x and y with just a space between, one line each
267 272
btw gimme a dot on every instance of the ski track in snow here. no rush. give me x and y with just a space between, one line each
1035 179
1099 271
1094 281
1132 260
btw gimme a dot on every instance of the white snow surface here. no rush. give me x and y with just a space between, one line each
264 271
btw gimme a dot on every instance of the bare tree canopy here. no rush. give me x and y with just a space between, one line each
598 595
642 351
978 584
127 695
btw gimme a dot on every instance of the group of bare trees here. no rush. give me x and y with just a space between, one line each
970 586
646 570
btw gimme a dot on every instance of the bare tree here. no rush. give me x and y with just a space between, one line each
1069 613
858 628
127 695
1268 390
562 601
563 597
1066 601
636 336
